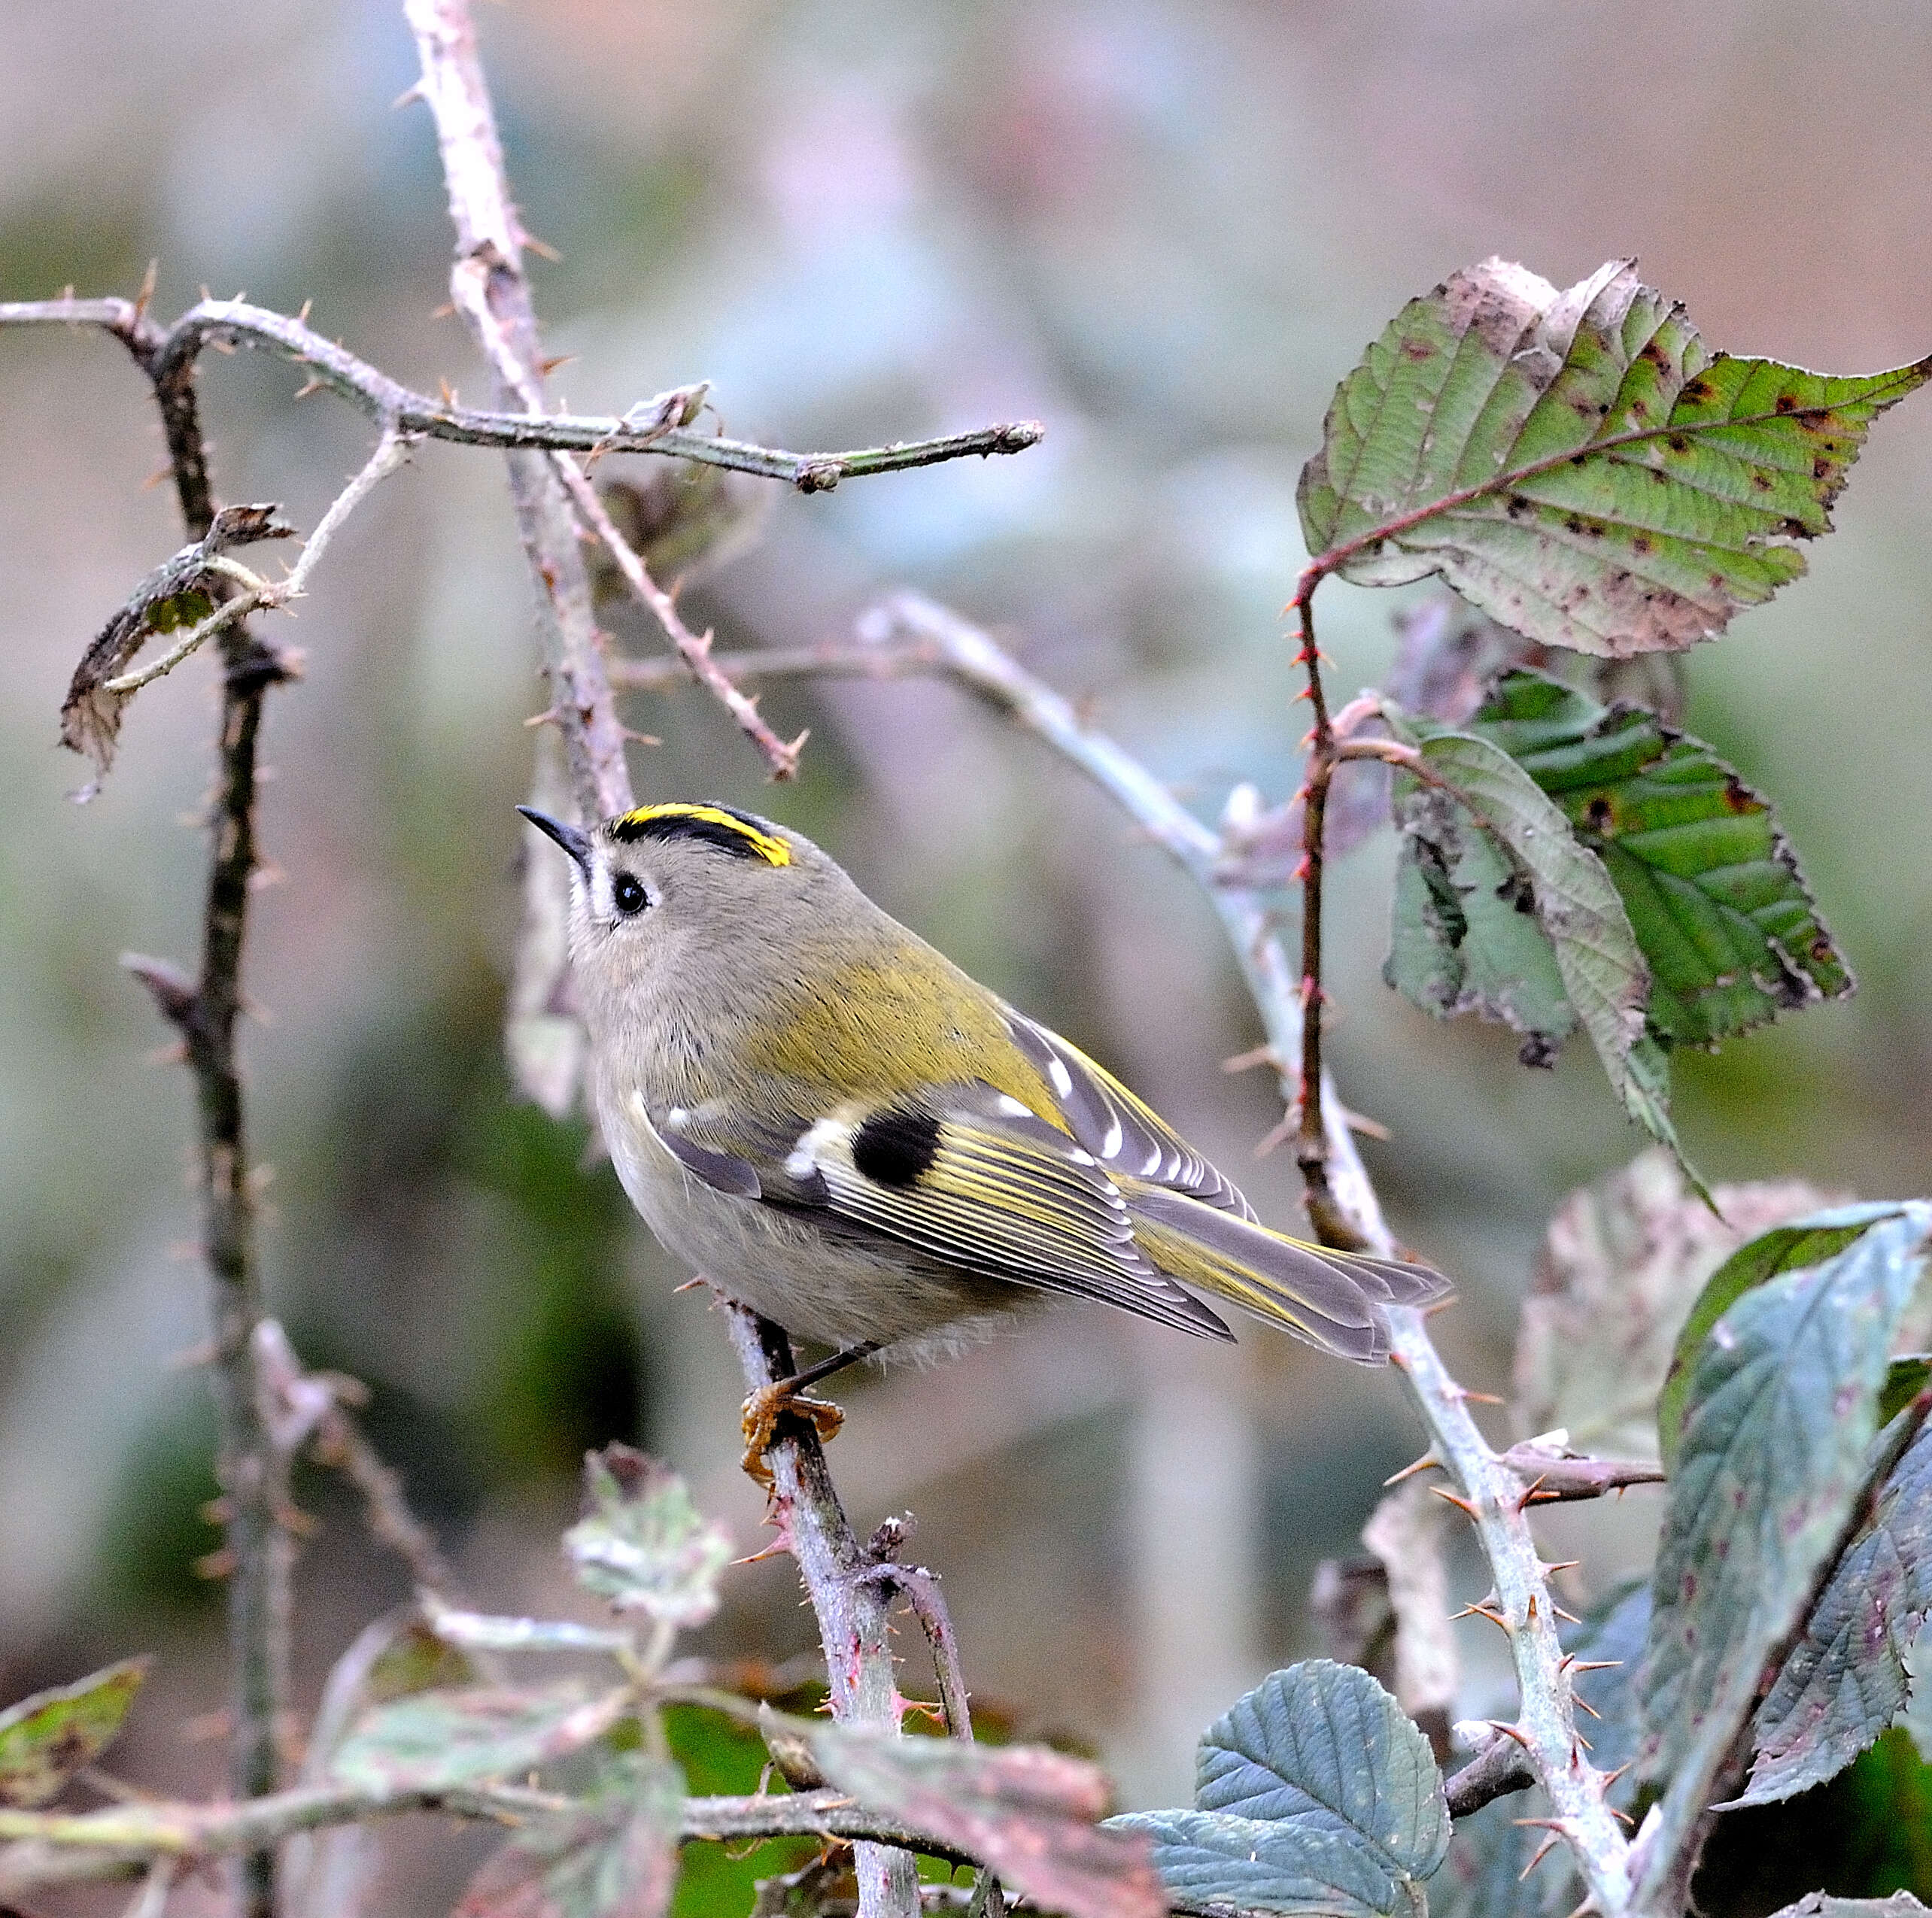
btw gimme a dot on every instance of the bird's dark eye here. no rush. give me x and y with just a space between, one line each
629 894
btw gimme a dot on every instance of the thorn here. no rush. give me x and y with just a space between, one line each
548 717
1441 1305
1542 1852
1509 1731
1532 1608
1495 1618
1530 1491
691 1286
407 97
1456 1499
777 1549
635 738
1584 1704
308 387
1262 1055
302 318
1562 1614
1593 1664
1577 1738
1561 1565
1611 1778
215 1564
1284 1128
541 248
545 368
1368 1128
1623 1818
147 292
1482 1398
447 391
1422 1464
1537 1824
445 311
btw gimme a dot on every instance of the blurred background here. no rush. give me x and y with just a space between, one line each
1166 230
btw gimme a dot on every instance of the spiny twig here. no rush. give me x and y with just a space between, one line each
329 366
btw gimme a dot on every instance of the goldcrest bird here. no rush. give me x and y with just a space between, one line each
839 1127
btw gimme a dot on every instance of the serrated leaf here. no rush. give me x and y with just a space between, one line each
1780 1412
1847 1680
1623 1263
1322 1745
431 1740
1214 1859
1809 1241
613 1854
1571 895
1579 465
642 1544
1460 939
48 1737
1028 1812
1720 909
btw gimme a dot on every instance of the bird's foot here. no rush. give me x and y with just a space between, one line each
762 1410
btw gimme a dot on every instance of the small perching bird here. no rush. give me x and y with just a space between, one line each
841 1129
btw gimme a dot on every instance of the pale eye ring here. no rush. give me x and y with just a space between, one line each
628 894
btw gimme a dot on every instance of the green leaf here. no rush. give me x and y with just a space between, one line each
431 1740
613 1854
1211 1860
1847 1679
1780 1410
1712 889
1579 465
1460 940
46 1738
1027 1812
1785 1248
642 1544
1315 1792
1623 1261
1564 885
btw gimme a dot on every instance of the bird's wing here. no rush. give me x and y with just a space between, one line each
1123 1132
963 1174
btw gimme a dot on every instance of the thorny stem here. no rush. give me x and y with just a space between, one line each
852 1604
237 322
119 1841
1332 1226
251 1469
491 292
696 653
1497 1491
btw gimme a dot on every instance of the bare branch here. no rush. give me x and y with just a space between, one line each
53 1848
852 1606
696 653
1552 1477
1499 1767
238 323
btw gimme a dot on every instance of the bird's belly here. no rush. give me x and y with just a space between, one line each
841 1287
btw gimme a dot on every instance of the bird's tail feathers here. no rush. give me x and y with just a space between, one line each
1332 1299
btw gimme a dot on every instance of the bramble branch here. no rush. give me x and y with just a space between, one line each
695 653
1493 1490
491 291
236 323
43 1848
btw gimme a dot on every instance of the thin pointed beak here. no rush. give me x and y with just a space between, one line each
576 844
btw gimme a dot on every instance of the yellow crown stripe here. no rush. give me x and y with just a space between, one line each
771 849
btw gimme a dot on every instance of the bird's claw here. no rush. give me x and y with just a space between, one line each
762 1410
